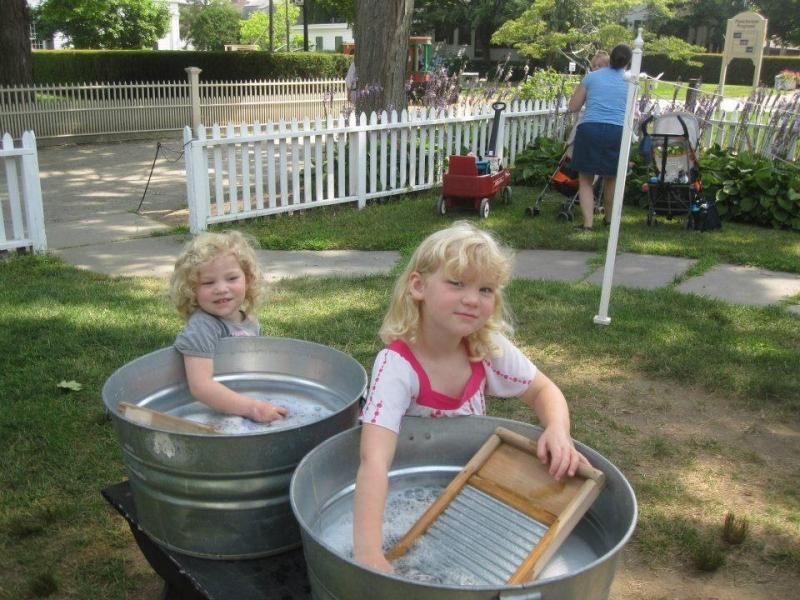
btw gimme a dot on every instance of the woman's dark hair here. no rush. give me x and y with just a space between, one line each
621 56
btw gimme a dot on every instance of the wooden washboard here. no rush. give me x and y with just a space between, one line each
504 511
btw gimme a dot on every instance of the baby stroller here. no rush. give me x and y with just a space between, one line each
565 180
670 142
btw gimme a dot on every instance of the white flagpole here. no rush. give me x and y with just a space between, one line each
632 76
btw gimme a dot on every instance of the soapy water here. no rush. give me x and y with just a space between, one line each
302 411
403 508
425 562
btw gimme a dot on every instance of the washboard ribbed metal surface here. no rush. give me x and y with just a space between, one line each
503 516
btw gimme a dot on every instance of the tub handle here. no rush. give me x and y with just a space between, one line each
519 595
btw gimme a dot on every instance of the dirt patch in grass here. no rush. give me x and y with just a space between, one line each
692 458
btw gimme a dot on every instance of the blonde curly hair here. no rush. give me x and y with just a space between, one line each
458 249
203 249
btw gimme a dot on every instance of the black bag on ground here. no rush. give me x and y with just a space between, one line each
703 215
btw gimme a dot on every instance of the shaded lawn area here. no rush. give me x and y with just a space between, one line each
401 223
58 323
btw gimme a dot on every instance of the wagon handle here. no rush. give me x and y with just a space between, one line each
498 107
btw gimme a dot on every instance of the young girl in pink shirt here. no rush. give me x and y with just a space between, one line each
446 350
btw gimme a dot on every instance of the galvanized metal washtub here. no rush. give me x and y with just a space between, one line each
227 496
434 450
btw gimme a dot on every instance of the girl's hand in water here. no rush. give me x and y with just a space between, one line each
265 412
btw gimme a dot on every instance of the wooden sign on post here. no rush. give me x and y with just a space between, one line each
745 37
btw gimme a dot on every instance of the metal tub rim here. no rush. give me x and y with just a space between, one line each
105 393
611 553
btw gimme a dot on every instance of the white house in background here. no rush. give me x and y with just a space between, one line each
325 37
56 43
329 37
172 40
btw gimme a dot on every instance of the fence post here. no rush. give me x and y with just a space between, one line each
32 193
196 170
362 161
187 159
194 94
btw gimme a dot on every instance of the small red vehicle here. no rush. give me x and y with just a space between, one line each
473 183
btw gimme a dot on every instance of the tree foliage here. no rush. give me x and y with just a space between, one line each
710 15
577 28
483 17
429 14
120 24
784 20
255 29
344 9
676 48
211 25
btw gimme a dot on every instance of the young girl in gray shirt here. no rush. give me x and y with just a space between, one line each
216 287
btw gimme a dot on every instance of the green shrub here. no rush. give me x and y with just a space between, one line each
75 66
534 165
751 188
547 84
740 70
639 172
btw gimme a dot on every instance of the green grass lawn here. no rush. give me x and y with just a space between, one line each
58 538
400 224
666 89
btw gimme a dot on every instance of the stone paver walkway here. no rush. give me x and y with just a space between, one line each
91 194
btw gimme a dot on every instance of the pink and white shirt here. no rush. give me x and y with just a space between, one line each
399 385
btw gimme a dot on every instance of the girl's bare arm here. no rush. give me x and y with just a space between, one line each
555 445
378 446
199 376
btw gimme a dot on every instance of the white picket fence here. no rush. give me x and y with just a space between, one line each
246 171
21 214
122 109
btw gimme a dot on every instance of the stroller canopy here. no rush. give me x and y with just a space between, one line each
676 124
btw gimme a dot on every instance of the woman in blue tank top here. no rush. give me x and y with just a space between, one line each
598 136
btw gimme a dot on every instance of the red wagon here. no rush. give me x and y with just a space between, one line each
473 183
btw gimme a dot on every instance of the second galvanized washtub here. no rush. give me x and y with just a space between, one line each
227 496
429 453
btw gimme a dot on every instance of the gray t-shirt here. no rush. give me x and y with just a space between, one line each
199 337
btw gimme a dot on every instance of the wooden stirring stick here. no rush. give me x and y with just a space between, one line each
154 418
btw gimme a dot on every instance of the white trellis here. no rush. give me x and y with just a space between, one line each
765 133
246 171
21 215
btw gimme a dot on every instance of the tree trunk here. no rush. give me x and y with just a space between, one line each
15 43
483 40
381 38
